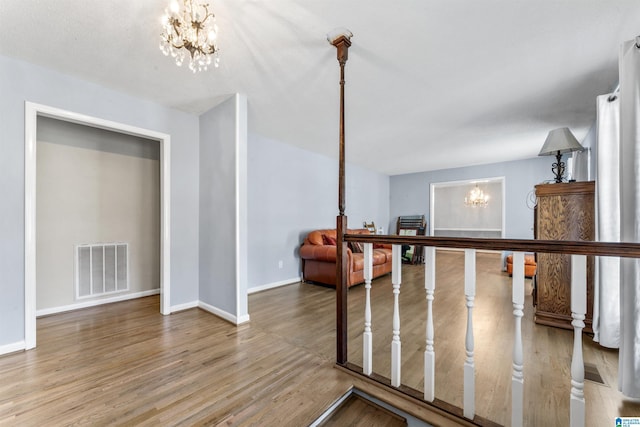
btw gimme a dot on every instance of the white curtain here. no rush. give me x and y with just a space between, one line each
606 301
629 354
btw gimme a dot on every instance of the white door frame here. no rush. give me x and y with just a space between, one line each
32 111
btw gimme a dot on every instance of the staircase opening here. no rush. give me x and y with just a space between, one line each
357 408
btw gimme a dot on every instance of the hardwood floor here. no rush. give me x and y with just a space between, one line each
125 364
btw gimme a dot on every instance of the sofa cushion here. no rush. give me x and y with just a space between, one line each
356 247
385 254
379 257
315 237
328 240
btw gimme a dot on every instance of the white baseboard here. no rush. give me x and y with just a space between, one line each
85 304
223 314
13 347
185 306
243 319
213 310
273 285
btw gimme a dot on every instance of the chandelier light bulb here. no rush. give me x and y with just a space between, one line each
189 26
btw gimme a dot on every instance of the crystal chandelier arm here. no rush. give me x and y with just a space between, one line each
207 15
173 34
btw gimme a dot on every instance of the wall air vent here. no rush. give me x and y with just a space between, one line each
101 269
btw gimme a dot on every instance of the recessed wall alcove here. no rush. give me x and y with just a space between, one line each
32 113
451 217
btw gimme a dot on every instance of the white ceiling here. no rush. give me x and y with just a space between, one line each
430 84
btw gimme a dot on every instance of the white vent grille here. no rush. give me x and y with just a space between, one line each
101 269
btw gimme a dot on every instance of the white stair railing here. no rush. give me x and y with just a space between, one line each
578 312
396 346
367 336
469 365
517 376
429 352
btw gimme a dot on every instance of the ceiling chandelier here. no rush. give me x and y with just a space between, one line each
191 28
476 198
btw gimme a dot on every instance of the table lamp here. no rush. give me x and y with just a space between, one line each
558 142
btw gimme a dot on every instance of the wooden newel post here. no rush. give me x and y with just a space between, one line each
341 291
342 43
341 40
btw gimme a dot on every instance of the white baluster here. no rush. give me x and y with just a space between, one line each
367 336
469 365
517 376
578 311
429 353
395 343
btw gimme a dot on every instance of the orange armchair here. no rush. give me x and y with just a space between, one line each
529 265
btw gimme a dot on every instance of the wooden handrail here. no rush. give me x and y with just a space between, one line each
621 249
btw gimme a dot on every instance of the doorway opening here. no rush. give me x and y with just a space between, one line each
452 214
32 113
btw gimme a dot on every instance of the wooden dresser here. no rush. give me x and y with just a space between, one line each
563 211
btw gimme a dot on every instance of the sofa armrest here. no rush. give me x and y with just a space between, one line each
326 253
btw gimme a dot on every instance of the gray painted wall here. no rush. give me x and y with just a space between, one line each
293 191
410 192
20 82
94 186
222 171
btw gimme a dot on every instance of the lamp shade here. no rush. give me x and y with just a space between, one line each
560 141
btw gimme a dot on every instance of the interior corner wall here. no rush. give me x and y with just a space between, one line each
410 192
584 163
292 191
222 246
20 82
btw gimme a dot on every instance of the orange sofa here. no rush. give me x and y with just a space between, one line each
318 254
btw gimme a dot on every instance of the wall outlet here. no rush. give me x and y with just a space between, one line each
280 264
